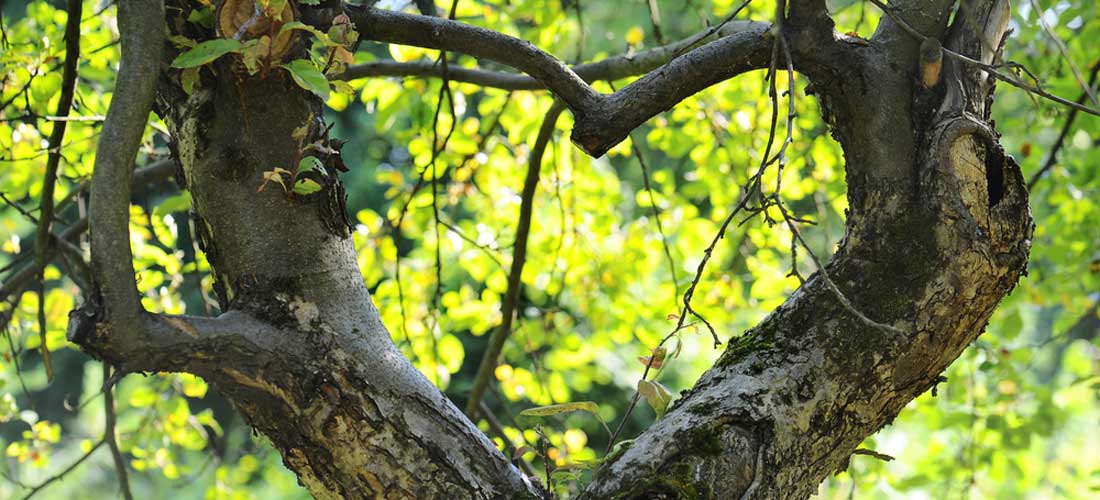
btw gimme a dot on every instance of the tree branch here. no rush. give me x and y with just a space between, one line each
141 27
611 68
443 34
34 491
993 70
57 136
1052 157
519 258
598 130
602 121
109 434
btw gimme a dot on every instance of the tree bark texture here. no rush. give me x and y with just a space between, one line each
938 233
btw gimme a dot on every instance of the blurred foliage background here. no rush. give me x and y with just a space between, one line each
1018 415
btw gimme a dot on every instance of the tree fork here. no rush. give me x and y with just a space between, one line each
305 358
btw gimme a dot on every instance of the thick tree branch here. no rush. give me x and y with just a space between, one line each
926 16
601 121
443 34
785 406
611 68
141 28
598 130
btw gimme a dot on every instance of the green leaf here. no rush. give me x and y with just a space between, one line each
46 86
309 164
546 411
617 450
202 17
307 76
298 25
143 396
188 78
306 186
182 42
274 175
205 52
177 203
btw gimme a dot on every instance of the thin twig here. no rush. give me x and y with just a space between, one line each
692 41
655 20
634 141
15 353
67 470
519 258
1086 87
489 252
109 434
1052 157
498 429
656 210
22 211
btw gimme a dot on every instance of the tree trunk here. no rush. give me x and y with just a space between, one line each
938 232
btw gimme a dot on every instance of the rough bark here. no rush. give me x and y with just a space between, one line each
938 232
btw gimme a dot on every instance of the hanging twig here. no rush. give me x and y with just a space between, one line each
109 433
519 258
656 211
1086 87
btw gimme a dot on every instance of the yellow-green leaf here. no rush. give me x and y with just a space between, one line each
206 52
657 395
546 411
307 76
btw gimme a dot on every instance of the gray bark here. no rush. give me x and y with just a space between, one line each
938 232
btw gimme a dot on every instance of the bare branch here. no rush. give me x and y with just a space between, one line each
109 433
1065 53
519 258
442 34
1052 157
601 121
611 68
141 27
598 130
34 491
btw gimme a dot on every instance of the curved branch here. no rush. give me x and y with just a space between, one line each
612 68
602 121
57 135
598 130
443 34
141 27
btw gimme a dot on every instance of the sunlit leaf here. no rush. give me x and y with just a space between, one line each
307 76
206 52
